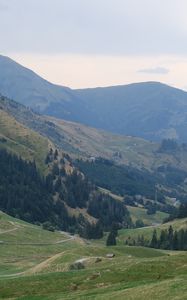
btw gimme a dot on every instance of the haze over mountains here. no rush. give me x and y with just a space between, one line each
150 110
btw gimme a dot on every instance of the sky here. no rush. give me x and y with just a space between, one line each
88 43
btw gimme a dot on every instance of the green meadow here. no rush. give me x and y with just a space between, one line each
38 264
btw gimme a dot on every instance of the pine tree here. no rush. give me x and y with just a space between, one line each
163 240
111 240
154 240
170 237
56 154
175 241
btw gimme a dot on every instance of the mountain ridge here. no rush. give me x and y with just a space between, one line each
81 141
150 110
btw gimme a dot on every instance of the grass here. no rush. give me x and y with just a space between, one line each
83 141
115 278
141 213
134 272
22 141
25 245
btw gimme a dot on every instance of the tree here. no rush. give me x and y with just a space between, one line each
139 223
163 241
170 236
182 213
154 240
111 239
175 241
56 154
48 226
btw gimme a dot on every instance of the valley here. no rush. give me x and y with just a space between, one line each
77 166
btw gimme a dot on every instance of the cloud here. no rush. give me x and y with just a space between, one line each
157 70
95 27
3 6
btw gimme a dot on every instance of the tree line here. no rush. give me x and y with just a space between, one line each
168 239
27 195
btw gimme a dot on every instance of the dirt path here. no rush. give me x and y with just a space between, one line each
69 238
39 267
9 230
44 264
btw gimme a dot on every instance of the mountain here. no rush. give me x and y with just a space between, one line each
26 87
150 110
59 194
123 165
81 141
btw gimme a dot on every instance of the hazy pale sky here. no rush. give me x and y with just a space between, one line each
86 43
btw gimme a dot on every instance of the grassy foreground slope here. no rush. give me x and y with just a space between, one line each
37 264
24 245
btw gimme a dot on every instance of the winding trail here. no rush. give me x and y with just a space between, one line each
9 230
43 264
39 267
69 238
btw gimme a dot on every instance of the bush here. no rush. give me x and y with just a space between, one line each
77 266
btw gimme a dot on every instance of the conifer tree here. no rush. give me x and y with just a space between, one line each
111 240
154 240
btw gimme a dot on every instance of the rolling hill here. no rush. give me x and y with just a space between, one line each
150 110
38 264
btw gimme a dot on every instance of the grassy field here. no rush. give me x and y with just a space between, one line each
22 141
23 245
141 213
37 264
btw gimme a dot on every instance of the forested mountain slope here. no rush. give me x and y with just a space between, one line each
84 142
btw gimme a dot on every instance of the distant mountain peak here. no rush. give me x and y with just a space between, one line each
151 110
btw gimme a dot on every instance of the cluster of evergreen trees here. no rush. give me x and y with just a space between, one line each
109 211
179 213
111 238
127 180
25 194
168 145
77 191
168 240
22 190
121 180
